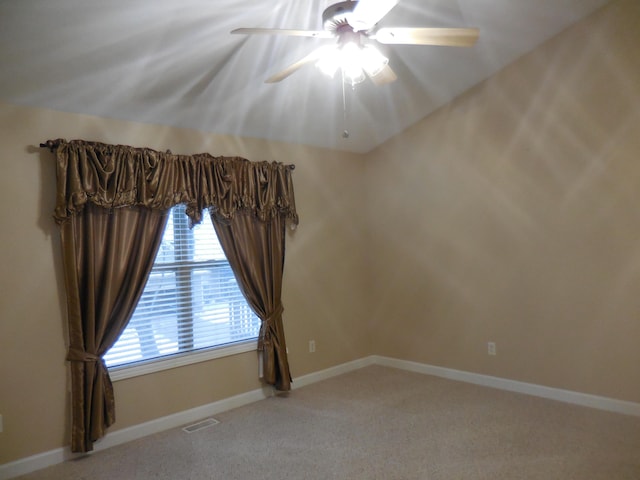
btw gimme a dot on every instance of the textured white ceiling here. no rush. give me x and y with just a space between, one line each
174 62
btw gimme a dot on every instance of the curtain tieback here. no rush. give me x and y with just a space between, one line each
76 355
267 328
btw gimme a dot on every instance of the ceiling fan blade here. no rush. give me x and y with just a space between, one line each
369 12
386 75
450 37
312 57
281 31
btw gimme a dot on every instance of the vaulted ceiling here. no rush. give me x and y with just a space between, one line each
174 62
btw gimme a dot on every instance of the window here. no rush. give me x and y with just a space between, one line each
191 301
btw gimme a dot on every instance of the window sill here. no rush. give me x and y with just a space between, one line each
180 360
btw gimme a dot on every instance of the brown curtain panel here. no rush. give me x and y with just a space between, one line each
108 255
255 251
111 204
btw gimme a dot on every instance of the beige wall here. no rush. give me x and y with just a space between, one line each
513 215
322 264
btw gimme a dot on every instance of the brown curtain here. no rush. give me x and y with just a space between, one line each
255 251
255 247
108 255
111 204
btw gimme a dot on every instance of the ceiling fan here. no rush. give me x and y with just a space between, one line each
354 25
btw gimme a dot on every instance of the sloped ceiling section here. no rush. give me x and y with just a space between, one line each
175 63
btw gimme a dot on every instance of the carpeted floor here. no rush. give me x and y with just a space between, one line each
382 423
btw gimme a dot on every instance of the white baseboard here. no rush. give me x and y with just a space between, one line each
332 372
567 396
117 437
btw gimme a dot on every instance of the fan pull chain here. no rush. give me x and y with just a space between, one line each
345 132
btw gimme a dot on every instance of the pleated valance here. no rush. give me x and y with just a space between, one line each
113 176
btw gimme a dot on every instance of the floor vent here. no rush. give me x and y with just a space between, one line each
200 425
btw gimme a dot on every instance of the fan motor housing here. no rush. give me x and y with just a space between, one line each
337 15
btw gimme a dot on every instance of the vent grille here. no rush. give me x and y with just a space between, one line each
200 425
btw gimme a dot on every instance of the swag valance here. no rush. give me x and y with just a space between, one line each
113 176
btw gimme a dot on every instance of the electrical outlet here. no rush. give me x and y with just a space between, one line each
312 346
491 348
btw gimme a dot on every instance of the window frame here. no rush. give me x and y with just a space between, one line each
193 355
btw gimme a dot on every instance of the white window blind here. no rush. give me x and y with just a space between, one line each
191 300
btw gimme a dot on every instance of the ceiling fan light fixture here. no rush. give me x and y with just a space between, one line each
351 63
329 61
353 75
353 60
372 61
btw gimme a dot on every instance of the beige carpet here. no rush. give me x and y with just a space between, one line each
382 423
